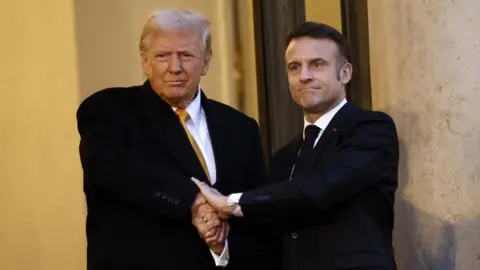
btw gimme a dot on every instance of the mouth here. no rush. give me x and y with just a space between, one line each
309 89
175 83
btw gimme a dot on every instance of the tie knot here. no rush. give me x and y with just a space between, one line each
182 114
311 132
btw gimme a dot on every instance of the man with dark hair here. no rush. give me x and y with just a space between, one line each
334 185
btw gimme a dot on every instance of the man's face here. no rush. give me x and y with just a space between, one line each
316 74
174 63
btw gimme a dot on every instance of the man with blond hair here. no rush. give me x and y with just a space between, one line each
140 146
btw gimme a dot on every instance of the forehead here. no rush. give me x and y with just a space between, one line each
176 39
311 48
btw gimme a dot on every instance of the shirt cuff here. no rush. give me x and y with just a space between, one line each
233 202
223 259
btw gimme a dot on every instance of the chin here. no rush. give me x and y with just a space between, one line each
176 93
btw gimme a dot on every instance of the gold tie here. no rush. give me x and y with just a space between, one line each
183 115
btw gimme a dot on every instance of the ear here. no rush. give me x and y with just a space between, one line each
145 63
206 64
346 73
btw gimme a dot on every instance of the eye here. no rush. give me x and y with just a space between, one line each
293 68
318 64
187 55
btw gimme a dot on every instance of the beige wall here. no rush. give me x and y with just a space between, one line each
324 11
424 68
41 200
249 68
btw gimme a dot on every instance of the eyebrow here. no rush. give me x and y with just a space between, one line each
320 59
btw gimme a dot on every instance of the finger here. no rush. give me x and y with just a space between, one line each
223 216
227 230
211 233
210 230
200 184
213 223
220 236
206 209
204 228
210 216
199 201
223 233
214 236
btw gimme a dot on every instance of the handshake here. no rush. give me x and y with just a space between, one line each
210 212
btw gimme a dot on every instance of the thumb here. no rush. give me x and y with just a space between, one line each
200 184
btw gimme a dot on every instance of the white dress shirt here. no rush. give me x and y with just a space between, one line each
321 122
197 125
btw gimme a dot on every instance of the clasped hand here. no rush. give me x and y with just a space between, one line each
210 226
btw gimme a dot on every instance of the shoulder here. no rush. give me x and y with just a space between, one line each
358 116
233 115
372 126
108 104
376 117
107 99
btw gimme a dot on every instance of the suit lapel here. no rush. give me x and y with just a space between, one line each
218 137
165 126
292 151
335 127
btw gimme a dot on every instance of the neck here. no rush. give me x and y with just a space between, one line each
181 104
314 115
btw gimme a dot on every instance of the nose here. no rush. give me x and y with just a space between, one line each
305 75
175 65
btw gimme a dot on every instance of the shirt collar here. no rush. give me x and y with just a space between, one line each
325 119
194 109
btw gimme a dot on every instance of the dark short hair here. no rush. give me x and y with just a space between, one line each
320 31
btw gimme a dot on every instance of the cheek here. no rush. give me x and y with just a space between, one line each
159 68
194 70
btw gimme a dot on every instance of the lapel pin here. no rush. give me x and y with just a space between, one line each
334 129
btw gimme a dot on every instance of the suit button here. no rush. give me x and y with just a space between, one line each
294 235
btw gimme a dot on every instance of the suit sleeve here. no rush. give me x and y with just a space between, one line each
112 170
368 153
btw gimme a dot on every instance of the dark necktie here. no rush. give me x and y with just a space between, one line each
311 133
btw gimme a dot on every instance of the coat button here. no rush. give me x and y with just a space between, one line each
294 235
